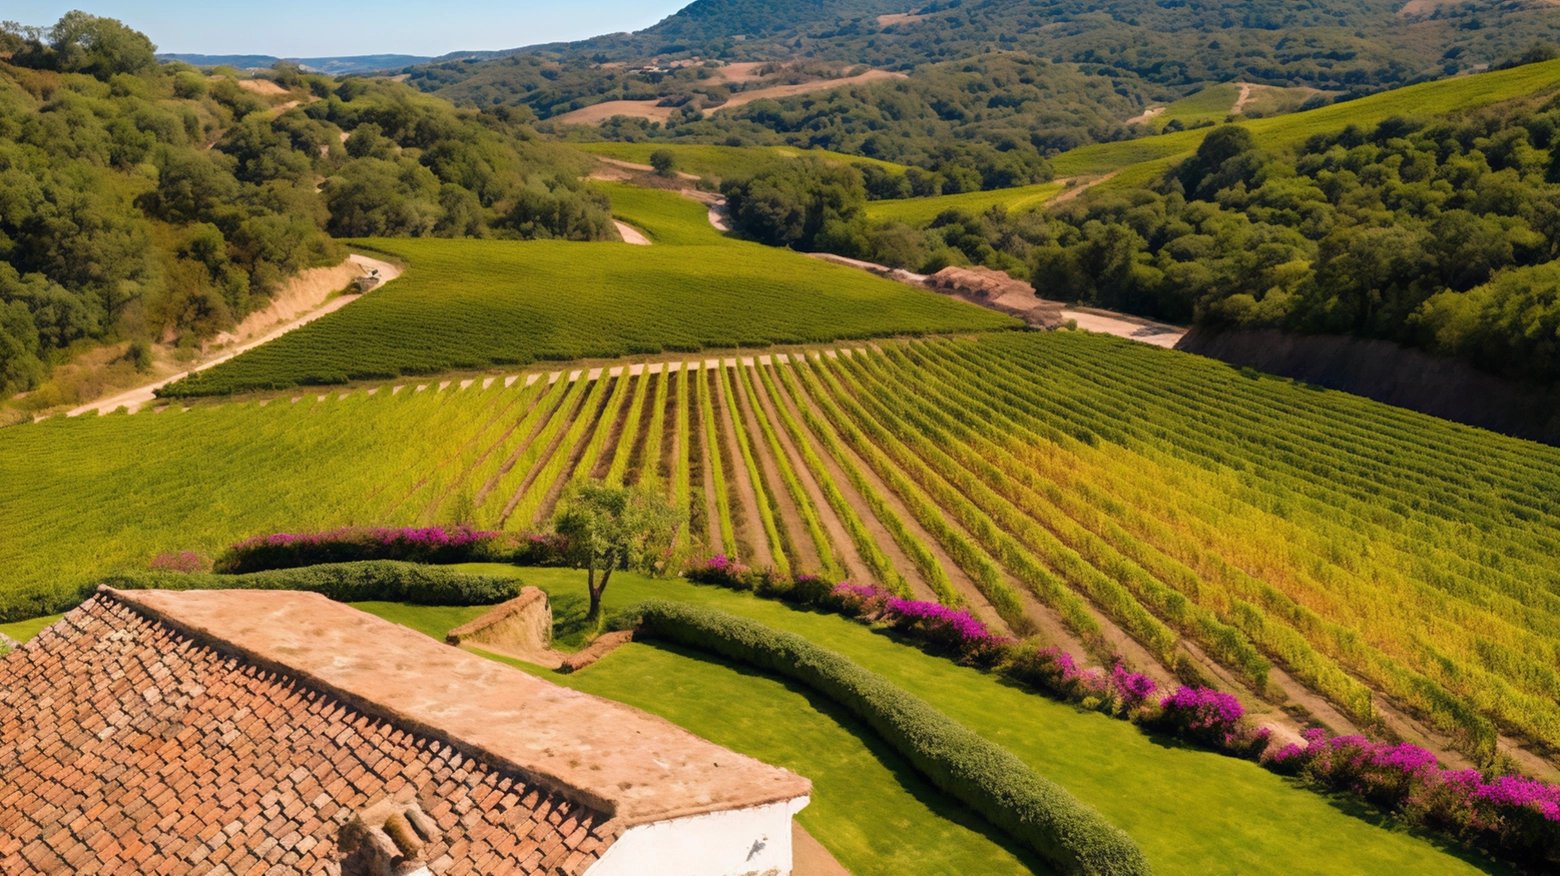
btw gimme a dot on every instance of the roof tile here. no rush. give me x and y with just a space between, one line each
208 735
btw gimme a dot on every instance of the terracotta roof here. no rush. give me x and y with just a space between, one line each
632 766
129 746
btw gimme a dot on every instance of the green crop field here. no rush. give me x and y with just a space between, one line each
476 304
722 162
1192 812
920 211
1096 489
1277 132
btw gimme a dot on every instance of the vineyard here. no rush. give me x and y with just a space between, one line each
476 304
1111 497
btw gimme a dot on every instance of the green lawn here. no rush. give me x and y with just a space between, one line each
722 162
1192 812
21 631
478 304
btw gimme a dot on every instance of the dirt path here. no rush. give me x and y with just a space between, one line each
1240 102
1080 188
1146 115
630 234
135 398
840 544
1124 326
750 528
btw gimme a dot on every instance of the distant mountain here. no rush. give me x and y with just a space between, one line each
336 66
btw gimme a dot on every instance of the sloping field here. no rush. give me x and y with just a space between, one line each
1115 497
475 304
920 211
722 162
1429 98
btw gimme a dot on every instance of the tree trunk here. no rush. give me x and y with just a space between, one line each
594 617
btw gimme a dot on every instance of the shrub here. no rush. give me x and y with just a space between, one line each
954 631
377 580
433 544
866 601
989 779
723 571
1122 692
1511 815
183 561
1213 718
541 549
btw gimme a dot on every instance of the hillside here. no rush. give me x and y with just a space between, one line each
148 207
473 305
1168 49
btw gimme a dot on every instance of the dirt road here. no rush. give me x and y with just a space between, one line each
135 398
1123 326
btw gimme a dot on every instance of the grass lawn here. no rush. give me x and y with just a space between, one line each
21 631
1192 812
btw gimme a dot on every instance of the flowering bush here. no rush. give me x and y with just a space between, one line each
723 571
432 544
541 549
1121 692
859 600
1512 815
953 630
183 561
1213 718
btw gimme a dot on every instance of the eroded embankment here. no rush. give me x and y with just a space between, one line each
1390 373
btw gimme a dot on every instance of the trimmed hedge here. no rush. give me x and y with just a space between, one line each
374 580
1072 836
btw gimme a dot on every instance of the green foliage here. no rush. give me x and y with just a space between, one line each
664 161
140 201
795 202
611 527
1438 233
1068 834
376 580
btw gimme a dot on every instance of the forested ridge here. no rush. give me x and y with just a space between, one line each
1165 47
141 201
1440 233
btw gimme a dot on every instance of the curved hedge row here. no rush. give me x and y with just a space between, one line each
376 580
991 780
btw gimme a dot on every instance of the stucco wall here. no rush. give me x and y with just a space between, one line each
736 842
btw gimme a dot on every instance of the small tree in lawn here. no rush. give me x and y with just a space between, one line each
611 527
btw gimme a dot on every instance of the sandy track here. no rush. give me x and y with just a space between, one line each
1240 102
135 398
630 234
1150 113
1123 326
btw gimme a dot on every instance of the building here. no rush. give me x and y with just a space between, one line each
259 732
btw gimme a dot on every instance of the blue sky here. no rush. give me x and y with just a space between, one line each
316 28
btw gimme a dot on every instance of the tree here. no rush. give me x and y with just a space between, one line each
664 161
611 527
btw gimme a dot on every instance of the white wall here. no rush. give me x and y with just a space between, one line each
736 842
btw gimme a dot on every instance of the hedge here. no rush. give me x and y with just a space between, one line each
352 544
1072 836
374 580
